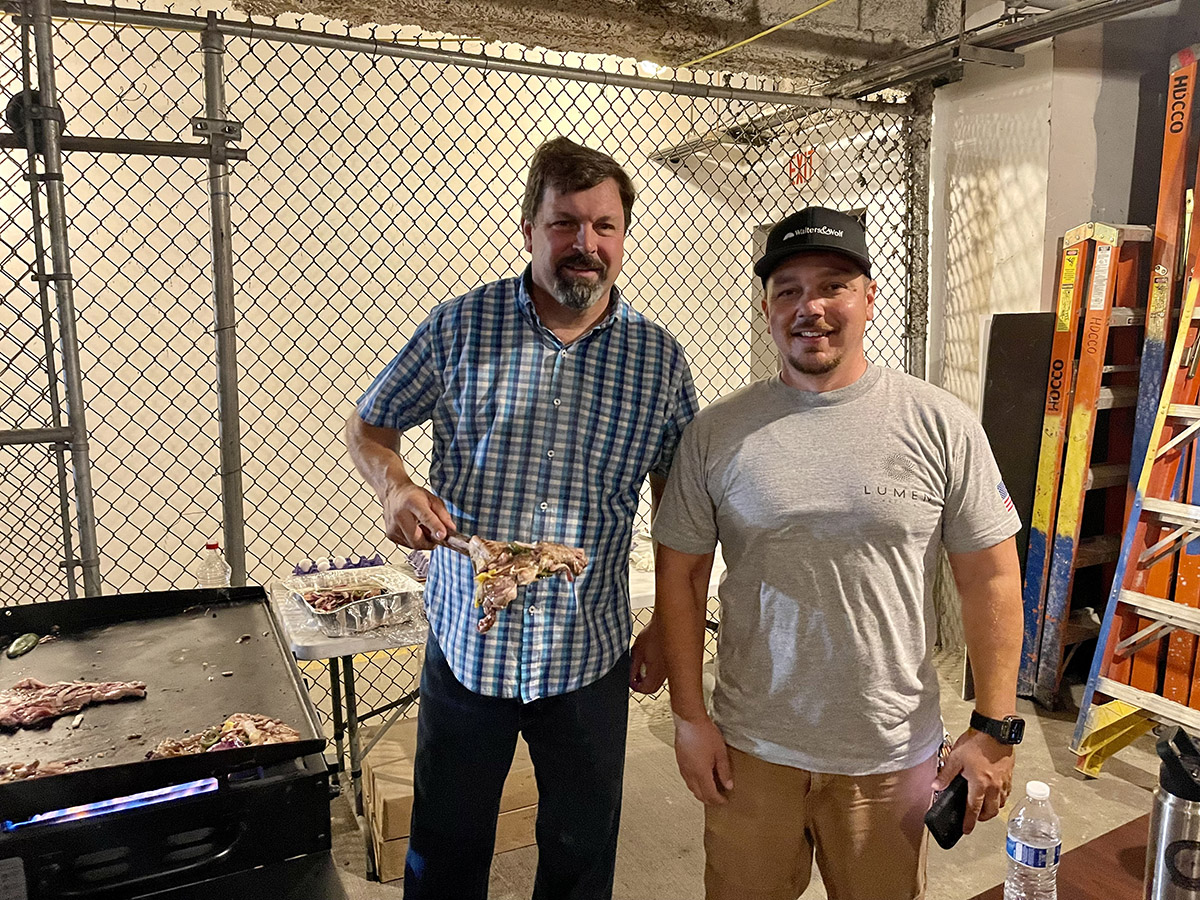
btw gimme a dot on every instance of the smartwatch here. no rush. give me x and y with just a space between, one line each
1008 730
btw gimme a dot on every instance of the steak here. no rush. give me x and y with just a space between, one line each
503 566
31 702
10 772
239 730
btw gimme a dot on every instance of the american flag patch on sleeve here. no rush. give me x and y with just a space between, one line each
1008 504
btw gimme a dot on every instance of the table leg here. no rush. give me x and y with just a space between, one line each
339 728
352 732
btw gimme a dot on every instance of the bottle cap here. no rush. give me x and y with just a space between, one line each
212 545
1038 790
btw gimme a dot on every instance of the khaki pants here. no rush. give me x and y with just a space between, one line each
867 832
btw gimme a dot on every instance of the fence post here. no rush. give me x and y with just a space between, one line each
917 135
228 406
50 119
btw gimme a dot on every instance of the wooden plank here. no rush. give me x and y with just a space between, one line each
1018 360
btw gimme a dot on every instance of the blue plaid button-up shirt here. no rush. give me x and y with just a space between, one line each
534 440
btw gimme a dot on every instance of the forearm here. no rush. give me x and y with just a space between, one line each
989 584
373 451
679 609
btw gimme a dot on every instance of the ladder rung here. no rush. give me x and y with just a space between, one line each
1159 707
1171 511
1185 617
1120 395
1095 551
1122 316
1105 476
1183 411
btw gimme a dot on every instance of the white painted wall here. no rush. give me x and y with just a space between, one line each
989 198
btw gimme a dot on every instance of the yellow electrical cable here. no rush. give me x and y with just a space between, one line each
748 40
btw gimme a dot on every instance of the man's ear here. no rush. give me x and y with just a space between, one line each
527 233
871 287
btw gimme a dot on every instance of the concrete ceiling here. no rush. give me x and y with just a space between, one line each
847 34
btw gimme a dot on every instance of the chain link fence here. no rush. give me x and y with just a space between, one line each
375 187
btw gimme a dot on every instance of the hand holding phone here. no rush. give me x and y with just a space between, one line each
945 817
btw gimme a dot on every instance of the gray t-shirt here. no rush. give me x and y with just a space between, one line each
829 509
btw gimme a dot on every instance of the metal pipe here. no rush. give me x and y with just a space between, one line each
225 314
16 437
917 140
937 57
56 213
250 31
58 435
126 147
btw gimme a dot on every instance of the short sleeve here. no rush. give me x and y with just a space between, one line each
978 512
681 410
686 518
405 392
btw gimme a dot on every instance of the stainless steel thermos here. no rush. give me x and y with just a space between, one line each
1173 850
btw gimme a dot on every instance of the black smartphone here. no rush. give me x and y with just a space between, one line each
945 817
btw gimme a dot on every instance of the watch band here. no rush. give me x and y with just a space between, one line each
1009 730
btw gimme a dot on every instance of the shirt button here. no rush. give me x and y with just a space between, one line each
550 454
545 505
532 610
557 401
564 353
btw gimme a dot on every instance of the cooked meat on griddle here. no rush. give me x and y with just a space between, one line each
22 771
328 599
30 701
239 730
503 566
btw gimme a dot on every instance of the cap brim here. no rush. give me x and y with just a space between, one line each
771 261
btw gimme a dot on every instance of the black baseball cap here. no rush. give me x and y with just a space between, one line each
814 229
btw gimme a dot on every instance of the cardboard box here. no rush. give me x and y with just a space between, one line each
514 829
388 781
387 784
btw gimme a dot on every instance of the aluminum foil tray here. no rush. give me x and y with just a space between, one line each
400 603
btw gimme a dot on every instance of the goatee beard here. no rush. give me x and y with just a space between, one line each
813 367
581 293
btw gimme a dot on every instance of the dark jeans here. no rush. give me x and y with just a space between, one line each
465 745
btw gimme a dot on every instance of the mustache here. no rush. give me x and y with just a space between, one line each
817 324
583 261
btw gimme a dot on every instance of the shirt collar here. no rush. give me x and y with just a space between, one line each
525 304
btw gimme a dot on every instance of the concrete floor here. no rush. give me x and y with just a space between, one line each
661 854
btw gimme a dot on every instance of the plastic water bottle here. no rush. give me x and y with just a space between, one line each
1034 842
213 571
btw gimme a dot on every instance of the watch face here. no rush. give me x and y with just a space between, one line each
1015 728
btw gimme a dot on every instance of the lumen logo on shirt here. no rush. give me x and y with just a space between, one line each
898 467
893 492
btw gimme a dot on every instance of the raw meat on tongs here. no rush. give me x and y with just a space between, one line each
503 566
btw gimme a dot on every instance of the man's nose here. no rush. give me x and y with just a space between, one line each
811 304
585 238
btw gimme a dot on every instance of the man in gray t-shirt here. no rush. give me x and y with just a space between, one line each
830 489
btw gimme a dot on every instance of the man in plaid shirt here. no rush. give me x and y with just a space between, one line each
551 400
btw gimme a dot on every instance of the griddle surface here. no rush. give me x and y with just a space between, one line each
181 659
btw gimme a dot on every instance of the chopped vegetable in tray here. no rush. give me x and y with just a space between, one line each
328 599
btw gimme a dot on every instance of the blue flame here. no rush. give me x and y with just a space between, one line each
105 807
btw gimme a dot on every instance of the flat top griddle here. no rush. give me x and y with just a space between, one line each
179 643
